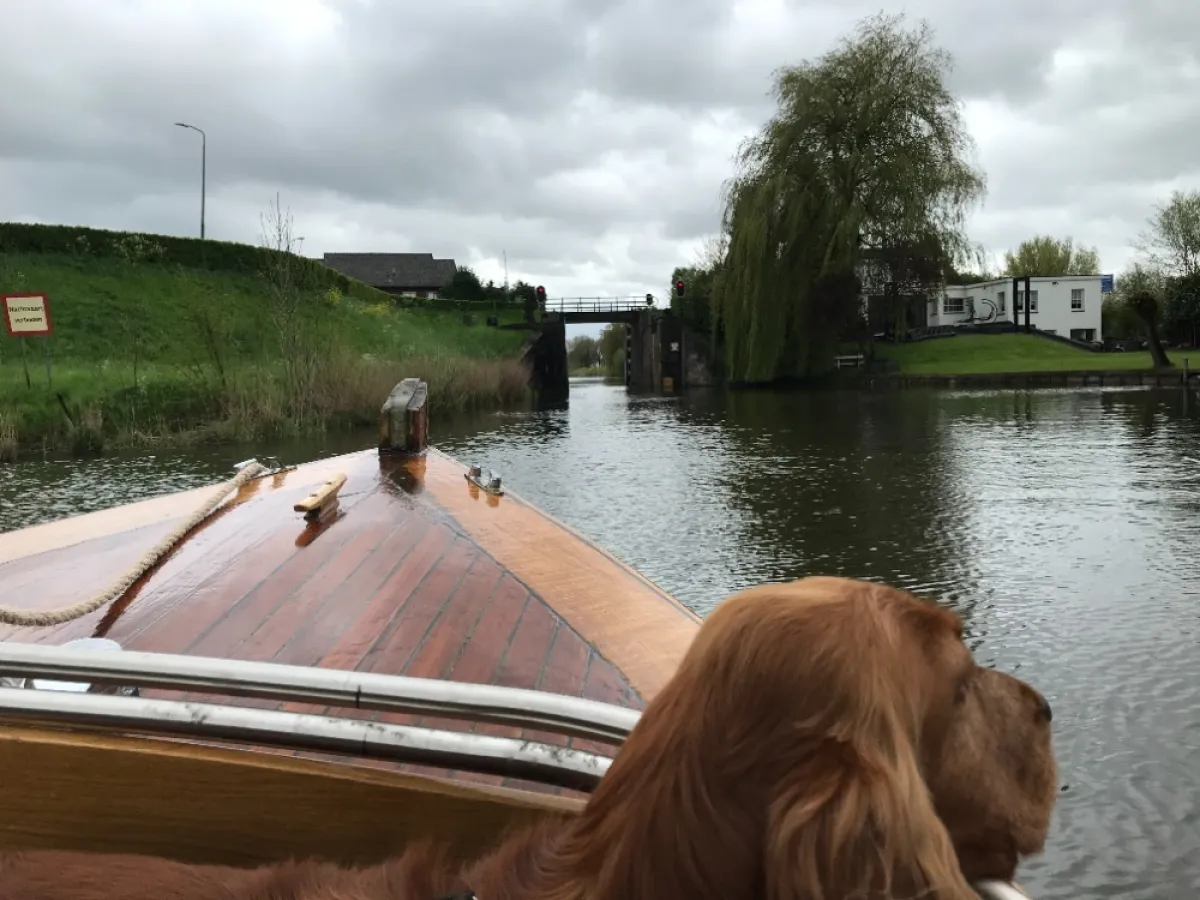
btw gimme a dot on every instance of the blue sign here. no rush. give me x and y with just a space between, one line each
1106 284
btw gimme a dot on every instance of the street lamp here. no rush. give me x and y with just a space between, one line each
203 166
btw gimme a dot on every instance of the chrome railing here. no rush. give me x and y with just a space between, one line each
572 716
31 665
511 757
73 680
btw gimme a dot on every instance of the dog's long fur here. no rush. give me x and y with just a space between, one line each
822 739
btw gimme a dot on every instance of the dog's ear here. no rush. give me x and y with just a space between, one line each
854 819
849 813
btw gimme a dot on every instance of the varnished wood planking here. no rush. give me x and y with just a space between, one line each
159 513
481 655
260 588
88 792
41 573
390 588
642 630
351 645
308 636
565 672
177 613
206 552
456 620
422 602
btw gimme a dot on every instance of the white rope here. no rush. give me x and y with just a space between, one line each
25 618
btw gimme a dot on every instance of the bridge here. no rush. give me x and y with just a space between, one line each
584 310
654 342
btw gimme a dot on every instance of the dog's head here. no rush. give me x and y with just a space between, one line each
828 738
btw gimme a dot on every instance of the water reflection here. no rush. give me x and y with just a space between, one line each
1062 524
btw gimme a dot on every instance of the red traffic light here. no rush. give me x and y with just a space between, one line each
679 288
541 291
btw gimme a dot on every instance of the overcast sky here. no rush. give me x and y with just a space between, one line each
588 139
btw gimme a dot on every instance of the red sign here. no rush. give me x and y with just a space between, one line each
26 315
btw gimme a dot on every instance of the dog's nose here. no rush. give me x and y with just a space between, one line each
1047 711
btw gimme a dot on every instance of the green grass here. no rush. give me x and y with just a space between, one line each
106 308
145 353
972 354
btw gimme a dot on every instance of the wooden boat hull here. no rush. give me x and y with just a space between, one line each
378 562
177 800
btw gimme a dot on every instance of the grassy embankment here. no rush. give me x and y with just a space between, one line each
971 354
202 343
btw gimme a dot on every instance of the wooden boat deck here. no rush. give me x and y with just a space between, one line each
420 574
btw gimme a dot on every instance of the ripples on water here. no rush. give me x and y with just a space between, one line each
1062 525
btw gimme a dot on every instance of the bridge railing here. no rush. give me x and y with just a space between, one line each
596 304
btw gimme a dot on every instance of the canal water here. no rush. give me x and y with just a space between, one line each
1061 524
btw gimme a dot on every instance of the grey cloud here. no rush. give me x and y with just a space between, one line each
588 138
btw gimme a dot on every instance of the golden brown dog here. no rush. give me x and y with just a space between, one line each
822 740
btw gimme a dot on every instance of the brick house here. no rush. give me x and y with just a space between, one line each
404 274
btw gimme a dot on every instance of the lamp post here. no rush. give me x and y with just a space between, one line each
203 166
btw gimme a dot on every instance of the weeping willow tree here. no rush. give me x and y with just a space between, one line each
867 151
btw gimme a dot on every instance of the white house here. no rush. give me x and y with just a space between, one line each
1068 305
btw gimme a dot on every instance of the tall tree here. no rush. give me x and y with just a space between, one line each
1142 290
695 306
1171 241
1181 311
583 352
1046 255
868 149
464 284
527 294
612 349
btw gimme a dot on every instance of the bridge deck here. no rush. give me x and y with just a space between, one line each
598 309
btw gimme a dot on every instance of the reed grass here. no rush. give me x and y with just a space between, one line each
88 409
9 438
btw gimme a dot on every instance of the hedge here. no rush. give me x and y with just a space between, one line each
216 256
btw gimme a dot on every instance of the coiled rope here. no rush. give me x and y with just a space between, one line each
25 618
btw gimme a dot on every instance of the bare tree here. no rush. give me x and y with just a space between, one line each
302 338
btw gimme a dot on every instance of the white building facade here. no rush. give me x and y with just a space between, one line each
1066 305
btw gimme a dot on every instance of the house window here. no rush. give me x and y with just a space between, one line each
952 305
1033 298
999 301
1083 334
1076 299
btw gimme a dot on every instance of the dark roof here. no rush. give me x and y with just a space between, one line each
402 270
